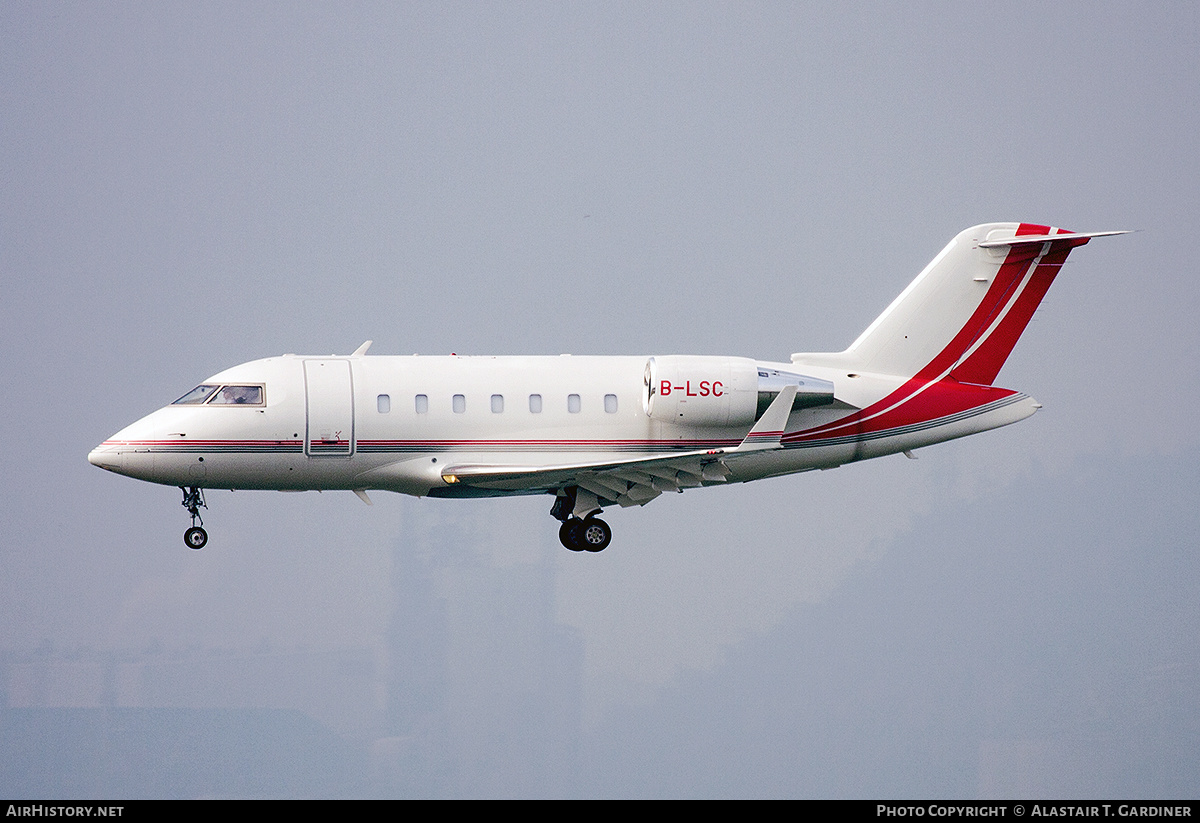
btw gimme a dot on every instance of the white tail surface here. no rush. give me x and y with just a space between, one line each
963 314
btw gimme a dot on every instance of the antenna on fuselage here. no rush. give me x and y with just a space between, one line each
361 350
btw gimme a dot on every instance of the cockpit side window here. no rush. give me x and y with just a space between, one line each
218 395
238 396
197 395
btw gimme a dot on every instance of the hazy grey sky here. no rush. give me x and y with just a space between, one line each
191 186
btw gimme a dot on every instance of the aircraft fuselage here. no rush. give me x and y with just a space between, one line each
396 423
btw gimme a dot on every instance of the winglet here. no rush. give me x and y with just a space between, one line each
768 431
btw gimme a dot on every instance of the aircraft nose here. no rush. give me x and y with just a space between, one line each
106 456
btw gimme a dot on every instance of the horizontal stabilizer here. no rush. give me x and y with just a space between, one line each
1028 239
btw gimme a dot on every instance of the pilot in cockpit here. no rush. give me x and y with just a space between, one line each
239 395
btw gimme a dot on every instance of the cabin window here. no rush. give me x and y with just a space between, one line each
238 396
535 403
459 403
422 404
497 403
383 403
573 403
610 403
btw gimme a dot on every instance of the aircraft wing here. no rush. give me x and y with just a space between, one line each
634 481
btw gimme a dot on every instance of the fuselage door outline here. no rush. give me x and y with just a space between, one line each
329 408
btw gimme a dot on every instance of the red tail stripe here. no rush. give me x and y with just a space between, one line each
914 401
984 363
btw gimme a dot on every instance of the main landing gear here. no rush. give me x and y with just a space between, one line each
581 530
193 501
589 534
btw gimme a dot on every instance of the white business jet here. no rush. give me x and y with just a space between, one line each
604 431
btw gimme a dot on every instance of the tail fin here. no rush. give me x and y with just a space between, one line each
963 314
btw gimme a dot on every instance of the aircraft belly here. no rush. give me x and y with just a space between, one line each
787 461
971 421
413 475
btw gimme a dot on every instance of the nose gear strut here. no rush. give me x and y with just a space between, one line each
193 501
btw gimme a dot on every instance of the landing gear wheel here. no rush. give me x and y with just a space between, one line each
570 534
596 535
195 537
193 501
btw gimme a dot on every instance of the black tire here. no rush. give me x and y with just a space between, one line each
195 538
570 534
596 535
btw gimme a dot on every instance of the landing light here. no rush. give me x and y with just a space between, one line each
450 478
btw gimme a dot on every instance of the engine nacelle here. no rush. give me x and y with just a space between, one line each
721 391
701 391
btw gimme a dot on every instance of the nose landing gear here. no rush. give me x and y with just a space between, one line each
193 501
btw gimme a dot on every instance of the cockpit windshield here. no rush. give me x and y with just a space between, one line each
196 396
217 395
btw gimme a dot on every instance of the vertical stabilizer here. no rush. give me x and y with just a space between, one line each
963 314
